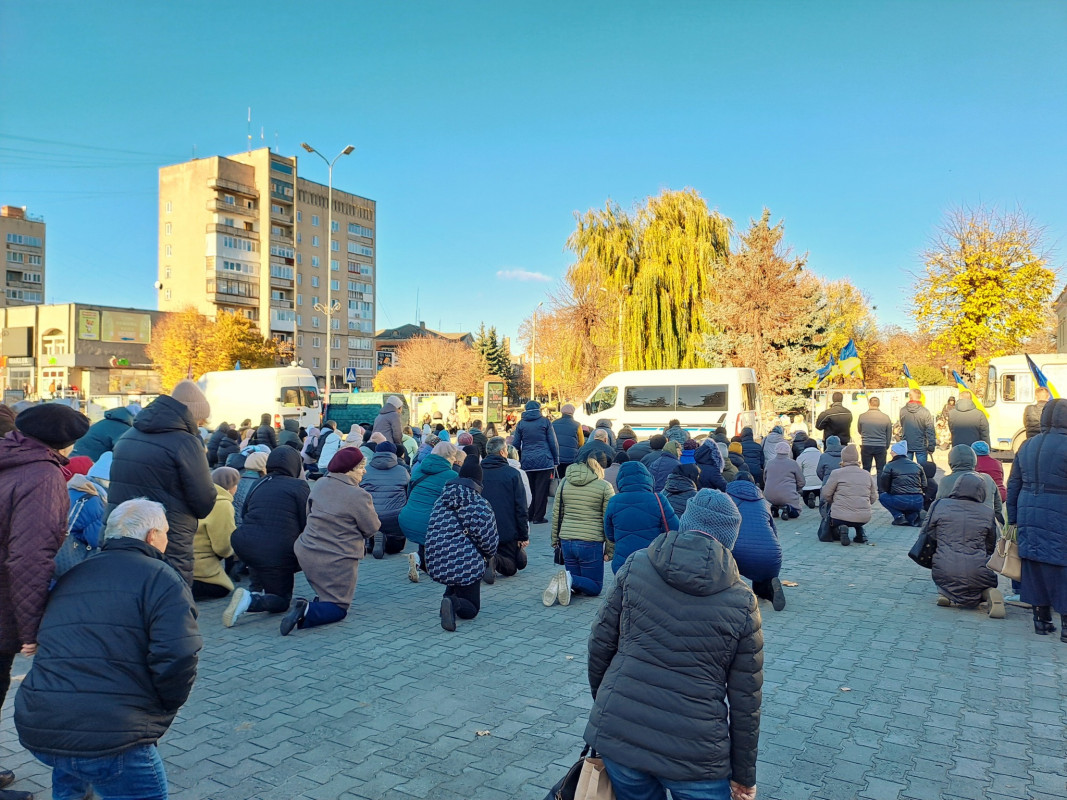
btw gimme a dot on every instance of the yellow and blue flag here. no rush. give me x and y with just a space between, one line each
914 384
963 387
1040 379
850 361
822 373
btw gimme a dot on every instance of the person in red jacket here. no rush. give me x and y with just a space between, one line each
33 521
991 467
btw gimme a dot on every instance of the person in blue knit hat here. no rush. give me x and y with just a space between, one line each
684 581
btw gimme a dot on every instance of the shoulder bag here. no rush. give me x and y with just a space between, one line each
587 779
662 515
1005 559
72 552
557 551
922 552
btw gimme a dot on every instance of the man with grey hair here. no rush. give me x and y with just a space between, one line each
503 489
599 447
135 613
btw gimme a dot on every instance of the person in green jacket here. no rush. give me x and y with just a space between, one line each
578 530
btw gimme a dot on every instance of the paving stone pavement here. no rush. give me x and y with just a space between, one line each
941 703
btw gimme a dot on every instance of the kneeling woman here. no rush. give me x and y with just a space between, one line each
460 537
341 518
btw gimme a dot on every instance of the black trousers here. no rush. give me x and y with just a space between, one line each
272 588
763 589
466 600
510 558
539 481
873 454
6 661
561 470
208 591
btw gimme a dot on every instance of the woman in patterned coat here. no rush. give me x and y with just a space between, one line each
460 537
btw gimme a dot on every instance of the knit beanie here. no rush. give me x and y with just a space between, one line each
783 449
980 448
385 447
628 443
78 465
777 429
850 455
236 460
471 468
621 457
899 448
189 395
257 461
395 402
691 444
101 470
672 447
54 424
744 475
377 437
464 438
657 441
735 447
712 512
567 409
345 460
225 477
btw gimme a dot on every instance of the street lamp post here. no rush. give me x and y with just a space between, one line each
331 306
533 354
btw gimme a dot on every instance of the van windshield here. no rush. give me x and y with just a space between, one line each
602 399
294 396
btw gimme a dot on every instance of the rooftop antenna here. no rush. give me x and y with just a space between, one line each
250 129
276 141
261 136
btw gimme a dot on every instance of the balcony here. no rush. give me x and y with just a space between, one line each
280 303
282 320
224 298
221 206
225 185
281 283
278 216
285 241
231 230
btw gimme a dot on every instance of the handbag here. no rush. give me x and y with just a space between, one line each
553 485
1005 559
585 780
72 552
557 550
922 552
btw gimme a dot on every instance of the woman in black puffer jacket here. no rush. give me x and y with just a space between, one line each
273 516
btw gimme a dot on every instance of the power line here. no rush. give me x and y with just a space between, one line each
84 146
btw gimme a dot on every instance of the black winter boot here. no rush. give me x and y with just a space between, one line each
1063 627
1043 621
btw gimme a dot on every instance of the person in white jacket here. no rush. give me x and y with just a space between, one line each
331 443
809 463
513 459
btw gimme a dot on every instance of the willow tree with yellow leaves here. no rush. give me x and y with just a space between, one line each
986 286
659 261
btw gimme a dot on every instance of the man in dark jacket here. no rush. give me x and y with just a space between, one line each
535 441
33 522
503 489
605 425
967 423
685 580
597 448
876 432
265 433
752 452
162 458
102 436
901 487
98 728
569 438
481 441
290 434
388 422
656 443
917 426
213 443
836 420
1032 413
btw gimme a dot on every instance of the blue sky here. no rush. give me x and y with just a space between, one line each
481 128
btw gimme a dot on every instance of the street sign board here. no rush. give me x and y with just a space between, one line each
350 375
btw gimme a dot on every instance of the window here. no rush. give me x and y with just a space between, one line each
334 244
1017 388
335 286
315 282
335 324
281 252
237 266
14 257
316 341
299 258
314 261
314 322
300 340
300 299
706 398
299 237
237 243
336 343
278 166
166 294
229 222
335 226
315 220
641 398
314 241
278 271
335 363
31 277
169 207
334 265
315 363
18 238
299 216
314 299
359 230
167 229
166 272
748 397
299 279
168 251
230 200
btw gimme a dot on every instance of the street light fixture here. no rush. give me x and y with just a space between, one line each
331 305
533 354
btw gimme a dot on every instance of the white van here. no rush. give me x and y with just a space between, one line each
283 392
700 399
1010 389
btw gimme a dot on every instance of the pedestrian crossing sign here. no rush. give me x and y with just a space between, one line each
350 375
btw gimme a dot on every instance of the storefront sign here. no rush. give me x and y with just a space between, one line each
126 326
88 324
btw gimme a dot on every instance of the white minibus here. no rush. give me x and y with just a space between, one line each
283 392
1010 389
700 399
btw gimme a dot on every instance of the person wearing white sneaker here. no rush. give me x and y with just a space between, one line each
578 529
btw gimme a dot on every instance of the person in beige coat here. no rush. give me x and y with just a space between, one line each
340 519
850 491
211 542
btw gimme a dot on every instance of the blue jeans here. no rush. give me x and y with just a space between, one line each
136 774
585 562
918 456
629 784
902 506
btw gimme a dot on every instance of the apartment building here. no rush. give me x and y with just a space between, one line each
246 234
24 240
